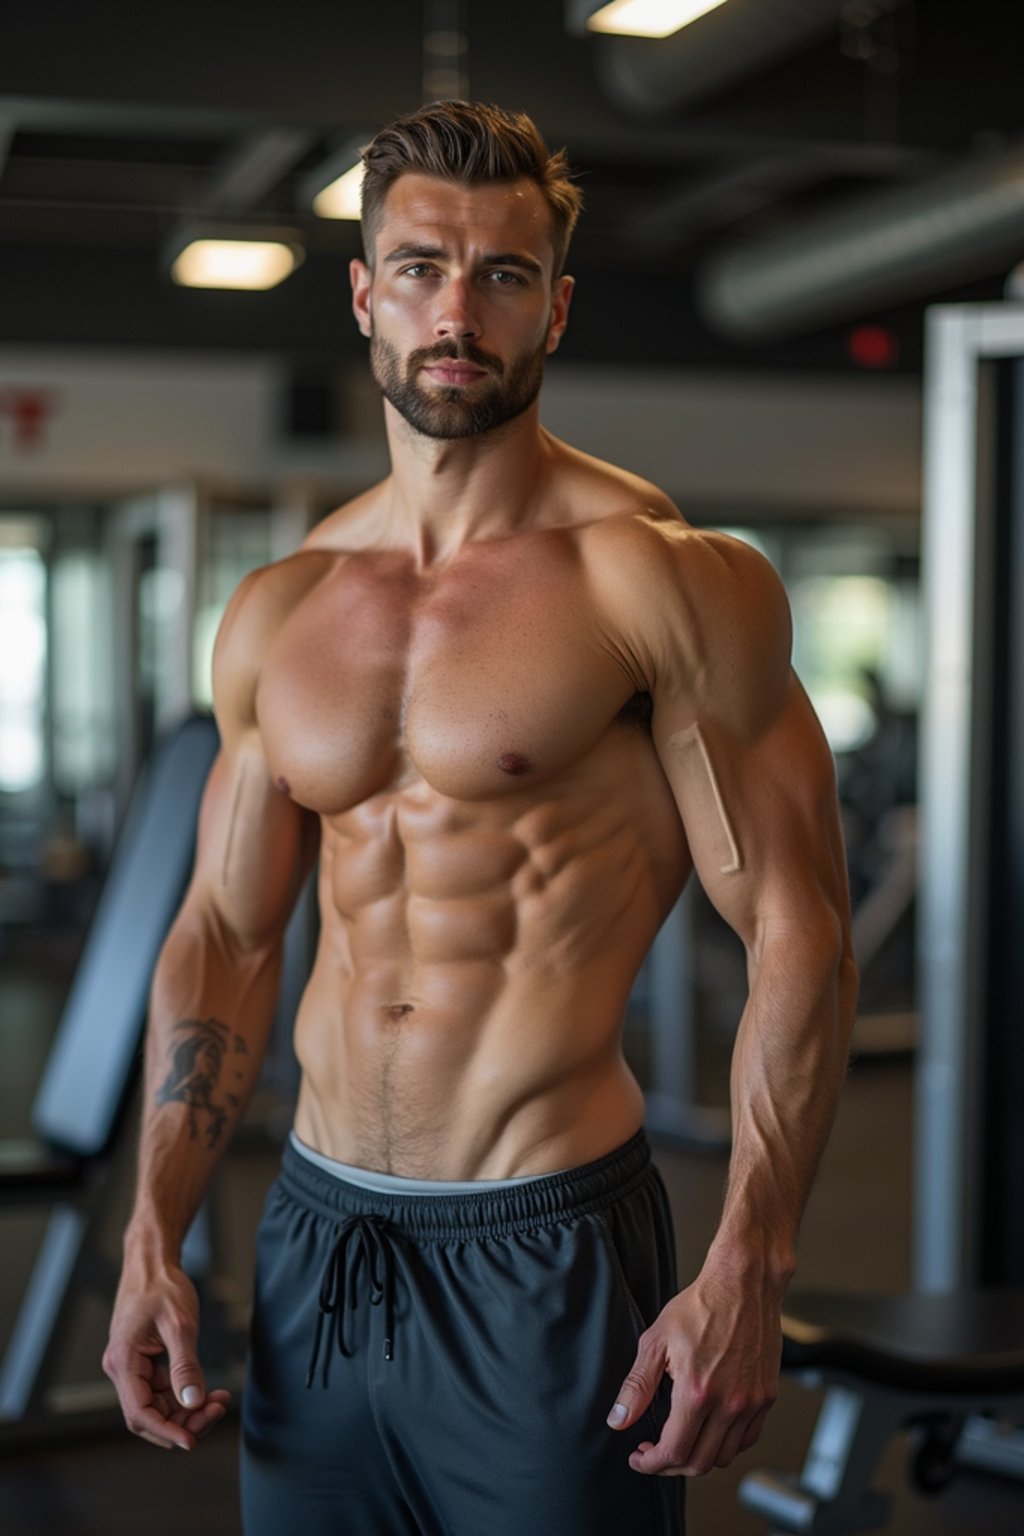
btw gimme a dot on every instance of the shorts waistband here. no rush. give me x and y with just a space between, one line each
481 1212
397 1184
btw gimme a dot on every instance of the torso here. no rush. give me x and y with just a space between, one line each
499 846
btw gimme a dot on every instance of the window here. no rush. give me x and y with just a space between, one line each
22 668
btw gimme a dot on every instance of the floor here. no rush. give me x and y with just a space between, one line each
856 1236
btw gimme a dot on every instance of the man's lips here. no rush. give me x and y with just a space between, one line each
451 371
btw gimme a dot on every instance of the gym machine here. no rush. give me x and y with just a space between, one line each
948 1362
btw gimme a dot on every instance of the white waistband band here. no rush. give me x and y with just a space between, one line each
395 1184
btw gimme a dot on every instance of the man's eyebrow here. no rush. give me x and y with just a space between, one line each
436 252
514 259
420 252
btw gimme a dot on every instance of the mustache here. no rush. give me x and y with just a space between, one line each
458 352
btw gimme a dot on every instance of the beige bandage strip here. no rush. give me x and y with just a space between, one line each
691 744
229 839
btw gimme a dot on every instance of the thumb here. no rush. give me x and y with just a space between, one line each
635 1395
187 1379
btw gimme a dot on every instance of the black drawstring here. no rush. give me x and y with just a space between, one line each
374 1248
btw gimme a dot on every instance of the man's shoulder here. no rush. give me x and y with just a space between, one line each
263 598
259 606
645 544
622 516
698 609
600 493
266 595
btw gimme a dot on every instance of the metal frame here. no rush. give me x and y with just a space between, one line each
958 529
833 1494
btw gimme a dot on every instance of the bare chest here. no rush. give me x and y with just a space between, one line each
492 675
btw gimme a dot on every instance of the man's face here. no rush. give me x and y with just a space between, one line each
460 309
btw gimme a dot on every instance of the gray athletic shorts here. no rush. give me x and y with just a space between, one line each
443 1365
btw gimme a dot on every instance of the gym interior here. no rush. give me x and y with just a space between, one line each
800 311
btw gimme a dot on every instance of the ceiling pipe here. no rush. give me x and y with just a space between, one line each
653 78
962 224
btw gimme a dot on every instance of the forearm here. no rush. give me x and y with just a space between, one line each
788 1068
211 1009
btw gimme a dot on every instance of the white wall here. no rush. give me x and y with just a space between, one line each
125 421
826 443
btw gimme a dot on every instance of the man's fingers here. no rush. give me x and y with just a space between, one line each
669 1457
161 1445
148 1422
636 1394
164 1424
729 1439
694 1447
754 1428
152 1407
211 1413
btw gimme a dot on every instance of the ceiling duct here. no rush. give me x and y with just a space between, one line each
963 224
654 78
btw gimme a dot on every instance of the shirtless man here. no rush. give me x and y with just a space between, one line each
514 701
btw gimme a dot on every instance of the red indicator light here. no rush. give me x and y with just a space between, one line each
873 346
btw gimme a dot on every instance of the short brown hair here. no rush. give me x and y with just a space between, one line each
468 142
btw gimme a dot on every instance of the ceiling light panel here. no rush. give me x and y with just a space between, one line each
649 18
340 199
254 260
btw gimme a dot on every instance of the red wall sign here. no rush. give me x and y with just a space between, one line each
27 410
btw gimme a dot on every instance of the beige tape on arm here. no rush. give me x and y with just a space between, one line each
699 774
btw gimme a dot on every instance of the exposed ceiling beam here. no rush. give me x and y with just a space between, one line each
51 114
253 168
678 143
698 209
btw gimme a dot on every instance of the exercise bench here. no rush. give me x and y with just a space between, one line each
928 1364
79 1106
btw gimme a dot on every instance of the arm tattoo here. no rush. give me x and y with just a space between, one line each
198 1054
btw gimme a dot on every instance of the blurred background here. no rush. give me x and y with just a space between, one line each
777 196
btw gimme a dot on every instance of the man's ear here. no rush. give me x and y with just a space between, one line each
561 298
361 279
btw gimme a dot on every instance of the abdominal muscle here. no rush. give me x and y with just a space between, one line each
463 1019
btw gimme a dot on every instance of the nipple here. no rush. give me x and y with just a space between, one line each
514 763
283 785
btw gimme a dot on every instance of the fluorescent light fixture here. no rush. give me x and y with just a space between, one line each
340 198
649 18
248 257
332 188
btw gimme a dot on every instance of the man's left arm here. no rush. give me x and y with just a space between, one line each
754 780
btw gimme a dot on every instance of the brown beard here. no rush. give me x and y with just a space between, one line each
446 413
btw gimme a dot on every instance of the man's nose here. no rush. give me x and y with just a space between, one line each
456 317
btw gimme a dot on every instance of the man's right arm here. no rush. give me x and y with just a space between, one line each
211 1008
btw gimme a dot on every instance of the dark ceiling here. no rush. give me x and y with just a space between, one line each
117 120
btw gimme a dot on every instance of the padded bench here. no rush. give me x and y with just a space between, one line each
77 1113
889 1363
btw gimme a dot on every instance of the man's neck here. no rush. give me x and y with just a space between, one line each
448 492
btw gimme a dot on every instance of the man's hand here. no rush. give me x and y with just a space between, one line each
721 1343
151 1359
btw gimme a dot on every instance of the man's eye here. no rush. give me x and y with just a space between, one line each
418 269
505 279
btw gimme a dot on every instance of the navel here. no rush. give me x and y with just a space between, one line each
397 1011
514 763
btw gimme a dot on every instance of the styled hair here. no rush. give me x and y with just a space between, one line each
468 142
